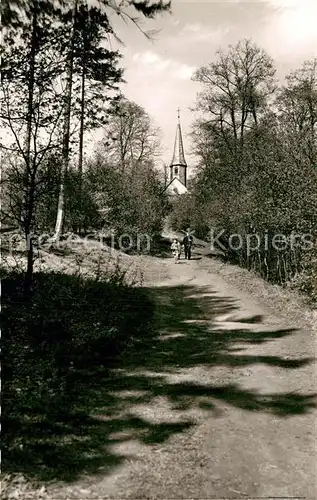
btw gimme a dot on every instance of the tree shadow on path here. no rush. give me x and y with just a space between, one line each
184 337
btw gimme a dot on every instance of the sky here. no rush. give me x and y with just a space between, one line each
158 72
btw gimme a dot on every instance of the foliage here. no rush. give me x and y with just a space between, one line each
130 136
94 65
56 69
32 107
256 173
67 324
129 202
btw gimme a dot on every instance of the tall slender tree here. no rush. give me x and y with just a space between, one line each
31 107
297 104
67 119
148 9
97 69
130 137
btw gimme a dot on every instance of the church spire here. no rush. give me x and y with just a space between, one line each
178 166
178 155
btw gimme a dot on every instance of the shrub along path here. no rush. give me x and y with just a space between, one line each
216 401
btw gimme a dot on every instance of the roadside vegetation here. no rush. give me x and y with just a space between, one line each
62 329
256 172
56 340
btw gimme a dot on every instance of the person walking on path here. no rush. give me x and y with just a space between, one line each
188 244
176 250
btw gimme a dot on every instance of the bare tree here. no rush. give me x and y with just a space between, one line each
130 137
31 110
236 88
67 118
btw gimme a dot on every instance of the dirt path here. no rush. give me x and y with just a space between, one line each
218 404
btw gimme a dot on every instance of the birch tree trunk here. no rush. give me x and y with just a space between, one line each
82 121
81 145
66 130
29 201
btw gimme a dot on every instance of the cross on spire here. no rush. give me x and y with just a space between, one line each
178 166
178 154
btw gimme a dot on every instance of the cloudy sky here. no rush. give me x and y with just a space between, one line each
158 73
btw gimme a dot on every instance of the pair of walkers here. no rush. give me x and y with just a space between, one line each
177 248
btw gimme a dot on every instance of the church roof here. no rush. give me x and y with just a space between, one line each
175 179
176 187
178 155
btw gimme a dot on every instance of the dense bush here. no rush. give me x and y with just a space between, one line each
130 202
65 326
256 146
81 213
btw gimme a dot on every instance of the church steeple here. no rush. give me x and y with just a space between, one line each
178 165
